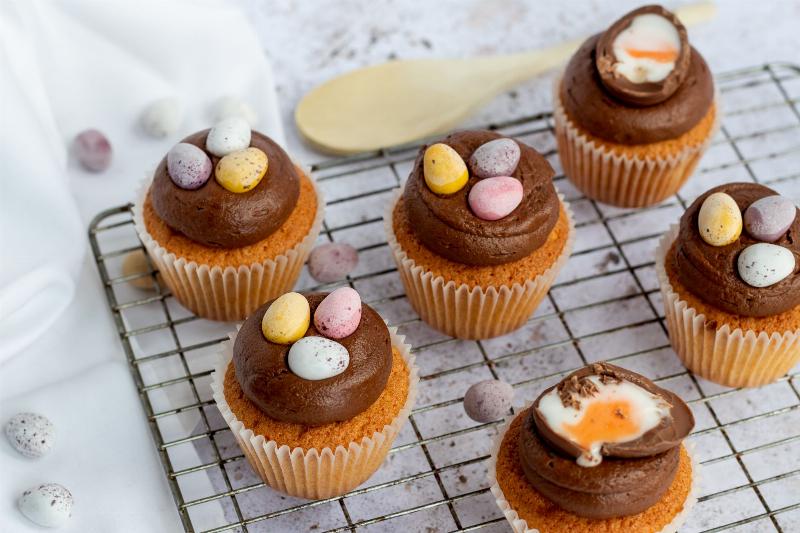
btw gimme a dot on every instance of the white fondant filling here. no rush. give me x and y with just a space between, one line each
647 411
647 33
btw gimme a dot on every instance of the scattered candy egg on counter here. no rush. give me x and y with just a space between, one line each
228 136
135 262
31 434
332 261
499 157
241 171
488 400
339 314
93 150
719 220
445 172
495 198
232 106
161 118
769 218
316 358
763 264
286 319
188 166
48 505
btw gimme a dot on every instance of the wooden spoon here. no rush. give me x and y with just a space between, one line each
402 101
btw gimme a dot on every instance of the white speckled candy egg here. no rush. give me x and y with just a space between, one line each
233 106
719 220
48 505
495 158
763 264
769 218
31 434
339 314
188 166
316 358
161 118
228 136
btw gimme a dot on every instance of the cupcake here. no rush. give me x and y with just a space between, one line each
600 451
228 219
634 110
730 282
478 246
315 388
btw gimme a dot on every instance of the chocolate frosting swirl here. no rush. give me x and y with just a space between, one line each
647 93
666 435
265 378
711 272
633 476
214 216
447 226
594 108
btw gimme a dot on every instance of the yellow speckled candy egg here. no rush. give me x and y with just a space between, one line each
719 220
242 170
445 172
286 319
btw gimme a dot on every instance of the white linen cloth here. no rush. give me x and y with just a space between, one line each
65 67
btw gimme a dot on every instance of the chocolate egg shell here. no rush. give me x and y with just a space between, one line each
648 93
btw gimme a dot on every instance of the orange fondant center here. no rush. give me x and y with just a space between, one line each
609 421
662 56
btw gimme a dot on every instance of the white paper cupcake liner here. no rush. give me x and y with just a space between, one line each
732 357
311 473
478 312
618 180
233 292
519 525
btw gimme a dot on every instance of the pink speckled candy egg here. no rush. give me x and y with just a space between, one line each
339 314
495 198
769 218
488 400
93 150
332 261
499 157
188 166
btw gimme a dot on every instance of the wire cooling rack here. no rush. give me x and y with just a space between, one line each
605 305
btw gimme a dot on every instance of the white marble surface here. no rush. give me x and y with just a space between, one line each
312 41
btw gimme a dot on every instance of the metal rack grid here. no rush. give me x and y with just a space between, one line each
605 305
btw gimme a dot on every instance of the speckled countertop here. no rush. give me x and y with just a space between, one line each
312 41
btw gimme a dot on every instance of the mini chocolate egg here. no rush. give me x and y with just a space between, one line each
93 150
763 264
339 314
445 172
286 319
228 136
48 505
719 220
316 358
241 171
135 262
188 166
161 118
31 434
499 157
231 106
495 198
332 261
769 218
488 400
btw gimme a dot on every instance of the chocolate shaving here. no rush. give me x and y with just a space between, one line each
571 390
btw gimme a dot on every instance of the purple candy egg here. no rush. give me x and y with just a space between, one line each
332 262
93 150
188 166
769 218
488 400
495 158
